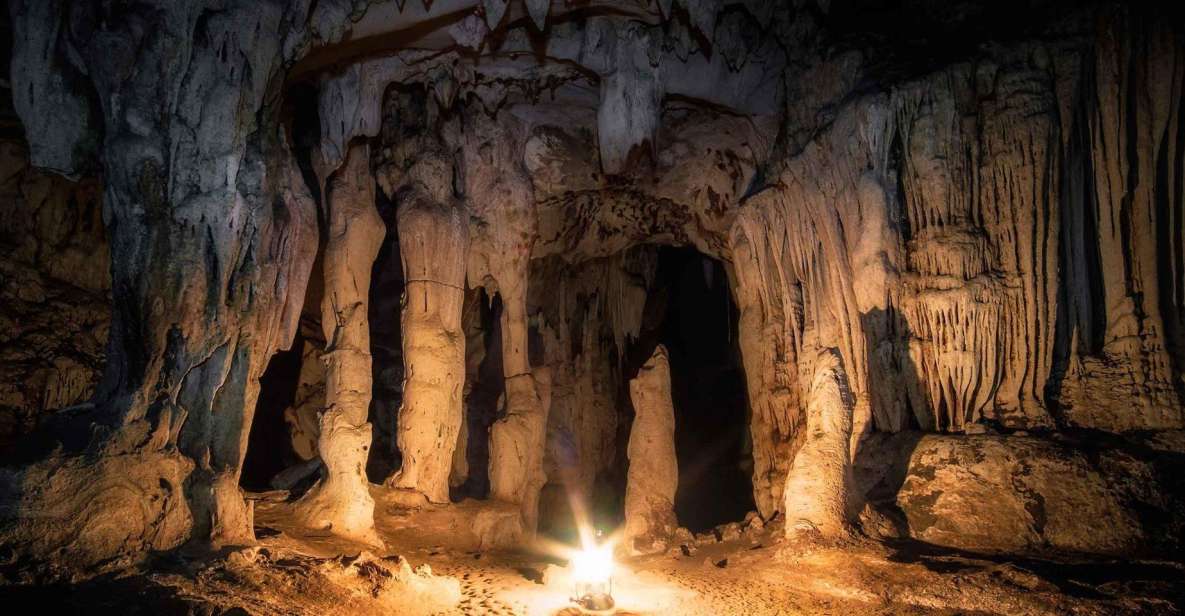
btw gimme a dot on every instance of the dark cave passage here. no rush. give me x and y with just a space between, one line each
269 445
690 311
708 388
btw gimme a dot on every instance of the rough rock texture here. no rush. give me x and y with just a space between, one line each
341 503
52 342
587 313
653 472
212 236
433 243
1016 493
303 417
983 225
518 442
819 479
54 292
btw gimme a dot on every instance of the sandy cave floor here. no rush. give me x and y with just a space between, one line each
298 572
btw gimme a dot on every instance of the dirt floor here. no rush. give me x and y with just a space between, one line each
424 570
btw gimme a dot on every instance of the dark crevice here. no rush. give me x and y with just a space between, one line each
269 447
690 311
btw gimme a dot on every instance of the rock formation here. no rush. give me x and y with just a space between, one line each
654 471
819 479
341 503
433 244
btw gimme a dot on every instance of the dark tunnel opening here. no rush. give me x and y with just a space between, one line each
708 389
690 310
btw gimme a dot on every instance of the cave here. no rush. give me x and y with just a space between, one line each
598 307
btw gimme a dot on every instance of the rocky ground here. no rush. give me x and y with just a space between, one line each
738 569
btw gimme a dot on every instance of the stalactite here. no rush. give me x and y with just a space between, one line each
1132 99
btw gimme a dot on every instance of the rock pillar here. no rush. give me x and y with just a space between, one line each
653 469
433 241
518 441
341 503
816 492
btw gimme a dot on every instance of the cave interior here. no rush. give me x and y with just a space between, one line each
758 306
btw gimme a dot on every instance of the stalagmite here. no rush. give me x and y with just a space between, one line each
819 479
517 443
654 471
955 253
341 503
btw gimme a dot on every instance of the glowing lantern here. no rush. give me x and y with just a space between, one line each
592 576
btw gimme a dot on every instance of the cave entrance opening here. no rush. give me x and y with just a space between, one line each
690 310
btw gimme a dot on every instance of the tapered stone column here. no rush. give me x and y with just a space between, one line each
433 241
817 486
517 444
653 473
341 503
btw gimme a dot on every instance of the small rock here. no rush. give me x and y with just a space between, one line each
730 532
242 558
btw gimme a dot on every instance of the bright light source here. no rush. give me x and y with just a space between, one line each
592 575
593 566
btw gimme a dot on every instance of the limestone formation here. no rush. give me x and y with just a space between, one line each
1019 493
517 444
819 479
341 503
653 472
303 418
433 243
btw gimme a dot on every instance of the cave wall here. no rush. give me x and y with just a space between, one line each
989 244
54 291
212 236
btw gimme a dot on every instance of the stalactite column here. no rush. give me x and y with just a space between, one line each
817 485
341 503
433 241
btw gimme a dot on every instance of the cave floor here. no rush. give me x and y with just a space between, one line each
298 572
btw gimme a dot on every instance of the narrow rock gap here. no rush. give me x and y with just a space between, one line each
269 446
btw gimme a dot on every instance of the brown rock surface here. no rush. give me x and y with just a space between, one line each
653 472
